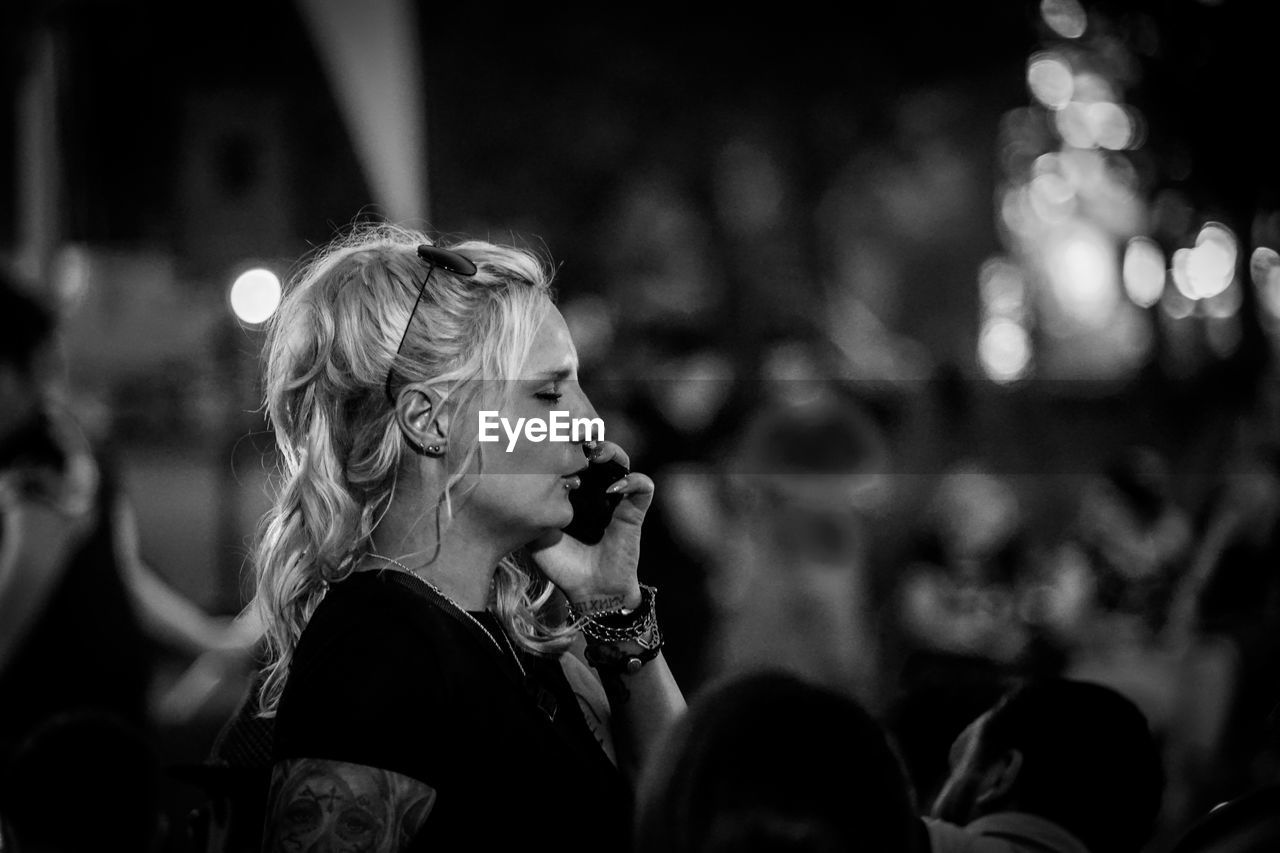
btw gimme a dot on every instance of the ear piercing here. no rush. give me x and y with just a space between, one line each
429 450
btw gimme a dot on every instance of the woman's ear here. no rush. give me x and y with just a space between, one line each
422 421
1000 777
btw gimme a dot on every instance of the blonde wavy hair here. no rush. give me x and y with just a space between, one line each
329 351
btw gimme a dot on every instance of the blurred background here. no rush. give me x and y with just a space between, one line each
947 331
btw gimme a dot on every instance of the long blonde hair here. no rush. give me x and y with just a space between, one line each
329 350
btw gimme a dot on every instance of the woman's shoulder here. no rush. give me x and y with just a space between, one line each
370 608
372 586
368 646
373 670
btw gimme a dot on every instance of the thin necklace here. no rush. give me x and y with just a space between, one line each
458 607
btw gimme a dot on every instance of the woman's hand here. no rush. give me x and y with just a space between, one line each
602 576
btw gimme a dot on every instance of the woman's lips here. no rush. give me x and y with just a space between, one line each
574 480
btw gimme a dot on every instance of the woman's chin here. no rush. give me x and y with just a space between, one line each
562 519
552 525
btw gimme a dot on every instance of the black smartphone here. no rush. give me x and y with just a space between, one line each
592 508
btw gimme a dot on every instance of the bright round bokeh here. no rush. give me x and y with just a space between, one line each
1065 17
1212 263
1082 275
1144 271
1110 125
255 295
1050 79
1004 350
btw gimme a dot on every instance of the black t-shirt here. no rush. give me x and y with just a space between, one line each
388 674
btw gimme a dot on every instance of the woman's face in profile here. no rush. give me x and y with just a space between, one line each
522 487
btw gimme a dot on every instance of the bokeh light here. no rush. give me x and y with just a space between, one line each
1093 88
1143 271
1096 124
1178 272
1110 125
1072 122
1052 197
1003 289
1050 80
1015 211
255 295
1064 17
1082 273
1264 266
1084 169
1211 265
1004 350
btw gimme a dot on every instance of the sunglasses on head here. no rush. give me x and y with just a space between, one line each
436 258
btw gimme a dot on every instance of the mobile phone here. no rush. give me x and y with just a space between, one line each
592 508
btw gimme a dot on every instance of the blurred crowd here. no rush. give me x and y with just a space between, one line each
802 535
802 543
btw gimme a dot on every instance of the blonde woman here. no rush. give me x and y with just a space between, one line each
427 618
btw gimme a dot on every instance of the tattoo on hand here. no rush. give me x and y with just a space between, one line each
343 807
600 604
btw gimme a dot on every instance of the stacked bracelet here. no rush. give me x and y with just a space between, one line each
608 658
604 631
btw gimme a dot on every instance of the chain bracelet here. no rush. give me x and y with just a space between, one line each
641 626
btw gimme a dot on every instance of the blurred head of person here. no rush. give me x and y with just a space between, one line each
26 328
1075 753
377 365
82 781
975 513
768 762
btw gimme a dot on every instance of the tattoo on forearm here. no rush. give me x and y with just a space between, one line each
600 604
346 808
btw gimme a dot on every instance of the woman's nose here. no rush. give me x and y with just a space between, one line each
581 408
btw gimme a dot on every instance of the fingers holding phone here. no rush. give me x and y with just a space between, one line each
604 484
597 554
595 499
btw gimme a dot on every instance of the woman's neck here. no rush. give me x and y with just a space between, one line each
460 564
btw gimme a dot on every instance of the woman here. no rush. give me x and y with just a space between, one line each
413 580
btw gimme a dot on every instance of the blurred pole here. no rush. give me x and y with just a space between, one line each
370 52
39 178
